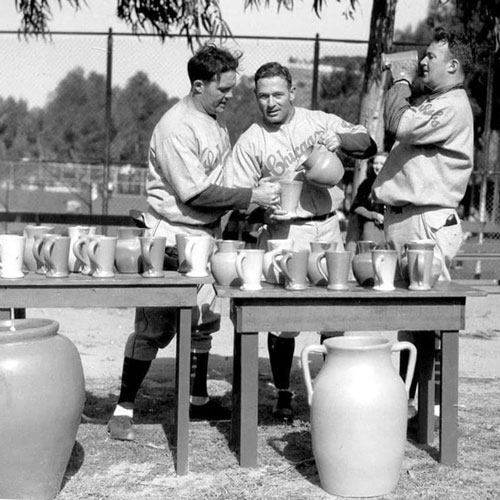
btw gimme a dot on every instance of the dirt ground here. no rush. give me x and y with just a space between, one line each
100 336
101 468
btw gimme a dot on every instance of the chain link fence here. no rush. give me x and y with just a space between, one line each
36 66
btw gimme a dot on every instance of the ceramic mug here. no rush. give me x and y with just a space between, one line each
38 243
12 256
101 252
198 251
410 56
420 269
75 232
153 253
384 267
55 253
80 250
290 195
293 265
249 266
334 266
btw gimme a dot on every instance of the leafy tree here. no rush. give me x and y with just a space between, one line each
19 130
73 127
339 91
137 109
164 17
242 109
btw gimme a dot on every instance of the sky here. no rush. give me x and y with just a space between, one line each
31 69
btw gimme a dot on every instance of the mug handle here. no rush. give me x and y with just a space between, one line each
239 265
78 249
92 250
277 258
283 264
377 262
37 250
47 253
320 258
146 255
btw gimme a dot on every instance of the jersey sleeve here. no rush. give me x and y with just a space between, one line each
179 162
433 122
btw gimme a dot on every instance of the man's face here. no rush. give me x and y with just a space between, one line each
274 99
435 65
217 92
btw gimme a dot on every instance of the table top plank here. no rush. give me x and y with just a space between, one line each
355 291
123 290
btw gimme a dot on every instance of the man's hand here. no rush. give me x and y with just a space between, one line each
404 70
266 194
275 215
330 140
378 218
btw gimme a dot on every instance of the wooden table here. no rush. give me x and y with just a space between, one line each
358 309
174 290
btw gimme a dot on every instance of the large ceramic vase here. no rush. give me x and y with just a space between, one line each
317 248
362 265
30 233
223 262
42 394
128 250
358 414
274 247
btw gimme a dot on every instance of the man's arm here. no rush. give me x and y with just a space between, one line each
396 103
354 140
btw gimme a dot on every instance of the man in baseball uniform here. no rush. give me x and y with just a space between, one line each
270 149
186 194
426 173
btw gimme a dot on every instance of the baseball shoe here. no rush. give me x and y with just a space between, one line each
121 427
211 411
283 407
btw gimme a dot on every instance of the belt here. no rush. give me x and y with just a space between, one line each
316 217
395 210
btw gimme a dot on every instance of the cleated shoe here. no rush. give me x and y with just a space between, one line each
211 411
121 427
283 407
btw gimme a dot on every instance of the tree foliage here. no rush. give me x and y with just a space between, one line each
71 127
137 109
163 17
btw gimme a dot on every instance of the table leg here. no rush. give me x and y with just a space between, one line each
182 384
245 397
425 344
448 419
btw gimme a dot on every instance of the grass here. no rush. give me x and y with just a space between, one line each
101 468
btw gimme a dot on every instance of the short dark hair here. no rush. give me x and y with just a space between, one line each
210 61
271 69
458 44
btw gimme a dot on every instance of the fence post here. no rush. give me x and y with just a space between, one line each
314 96
105 187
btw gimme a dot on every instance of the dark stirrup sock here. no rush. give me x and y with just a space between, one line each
199 369
281 351
134 371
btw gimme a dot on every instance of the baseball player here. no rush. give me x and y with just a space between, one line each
270 149
426 173
186 194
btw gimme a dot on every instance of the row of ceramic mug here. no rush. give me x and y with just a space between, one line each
94 254
232 264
